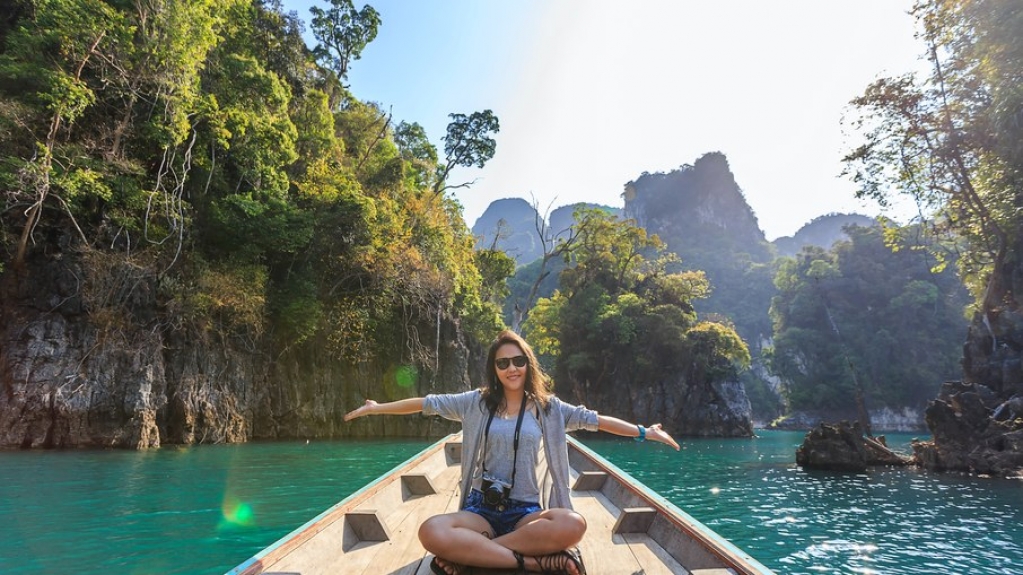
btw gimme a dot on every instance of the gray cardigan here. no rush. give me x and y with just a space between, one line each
555 422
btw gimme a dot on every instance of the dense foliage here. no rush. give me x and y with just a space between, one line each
620 319
700 213
205 142
866 317
951 140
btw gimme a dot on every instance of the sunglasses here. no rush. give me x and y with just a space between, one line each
503 363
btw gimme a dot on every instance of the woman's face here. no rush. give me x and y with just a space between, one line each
513 377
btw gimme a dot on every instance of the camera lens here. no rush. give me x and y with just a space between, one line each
492 496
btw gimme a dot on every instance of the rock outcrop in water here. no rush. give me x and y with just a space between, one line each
975 431
977 424
843 447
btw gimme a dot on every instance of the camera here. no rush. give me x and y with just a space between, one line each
495 493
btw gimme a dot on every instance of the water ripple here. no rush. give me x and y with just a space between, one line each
886 521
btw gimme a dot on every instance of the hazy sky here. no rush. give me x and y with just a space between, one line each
592 93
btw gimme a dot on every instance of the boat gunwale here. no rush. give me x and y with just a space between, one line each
712 541
299 536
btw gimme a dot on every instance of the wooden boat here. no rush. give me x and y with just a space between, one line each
631 530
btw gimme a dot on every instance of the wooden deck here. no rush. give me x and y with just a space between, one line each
631 531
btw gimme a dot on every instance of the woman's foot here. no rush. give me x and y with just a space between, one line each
567 562
444 567
521 567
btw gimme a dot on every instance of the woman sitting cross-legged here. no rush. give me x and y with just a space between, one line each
501 523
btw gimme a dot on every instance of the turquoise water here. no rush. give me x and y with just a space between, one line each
206 509
886 521
174 510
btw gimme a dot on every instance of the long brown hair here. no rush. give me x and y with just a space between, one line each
538 385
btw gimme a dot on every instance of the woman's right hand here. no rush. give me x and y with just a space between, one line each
366 409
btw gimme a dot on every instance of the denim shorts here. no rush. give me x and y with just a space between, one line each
502 522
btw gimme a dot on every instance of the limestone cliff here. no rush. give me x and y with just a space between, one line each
699 211
689 409
510 225
72 377
977 424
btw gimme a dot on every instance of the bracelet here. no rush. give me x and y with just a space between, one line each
642 433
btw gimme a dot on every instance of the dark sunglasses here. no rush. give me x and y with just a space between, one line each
502 363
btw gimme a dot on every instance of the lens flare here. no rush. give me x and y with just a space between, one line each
406 376
237 513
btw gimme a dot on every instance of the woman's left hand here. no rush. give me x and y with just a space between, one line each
655 433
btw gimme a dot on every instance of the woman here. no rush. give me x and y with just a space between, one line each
501 523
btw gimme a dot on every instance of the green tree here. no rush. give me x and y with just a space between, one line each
164 136
864 317
46 65
468 143
343 33
951 141
417 151
99 93
619 319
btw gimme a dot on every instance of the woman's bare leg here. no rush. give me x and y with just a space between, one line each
545 532
464 538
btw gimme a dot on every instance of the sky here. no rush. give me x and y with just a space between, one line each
591 94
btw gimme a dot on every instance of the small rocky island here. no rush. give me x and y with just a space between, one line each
973 431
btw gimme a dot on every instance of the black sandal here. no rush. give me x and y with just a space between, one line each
438 570
521 561
557 563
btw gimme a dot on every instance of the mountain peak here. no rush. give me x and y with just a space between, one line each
697 207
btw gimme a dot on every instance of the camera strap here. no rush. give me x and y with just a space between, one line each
515 443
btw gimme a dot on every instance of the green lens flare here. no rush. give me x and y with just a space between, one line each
406 376
238 513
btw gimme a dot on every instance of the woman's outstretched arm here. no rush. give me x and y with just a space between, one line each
621 427
400 407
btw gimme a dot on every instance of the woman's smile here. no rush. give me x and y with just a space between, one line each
511 359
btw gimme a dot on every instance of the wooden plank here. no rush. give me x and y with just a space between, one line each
682 536
452 494
634 520
417 484
453 450
653 559
589 481
333 550
267 559
604 553
631 530
367 525
406 554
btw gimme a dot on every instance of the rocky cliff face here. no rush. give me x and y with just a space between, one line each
699 211
974 430
885 419
511 225
977 424
694 410
70 377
